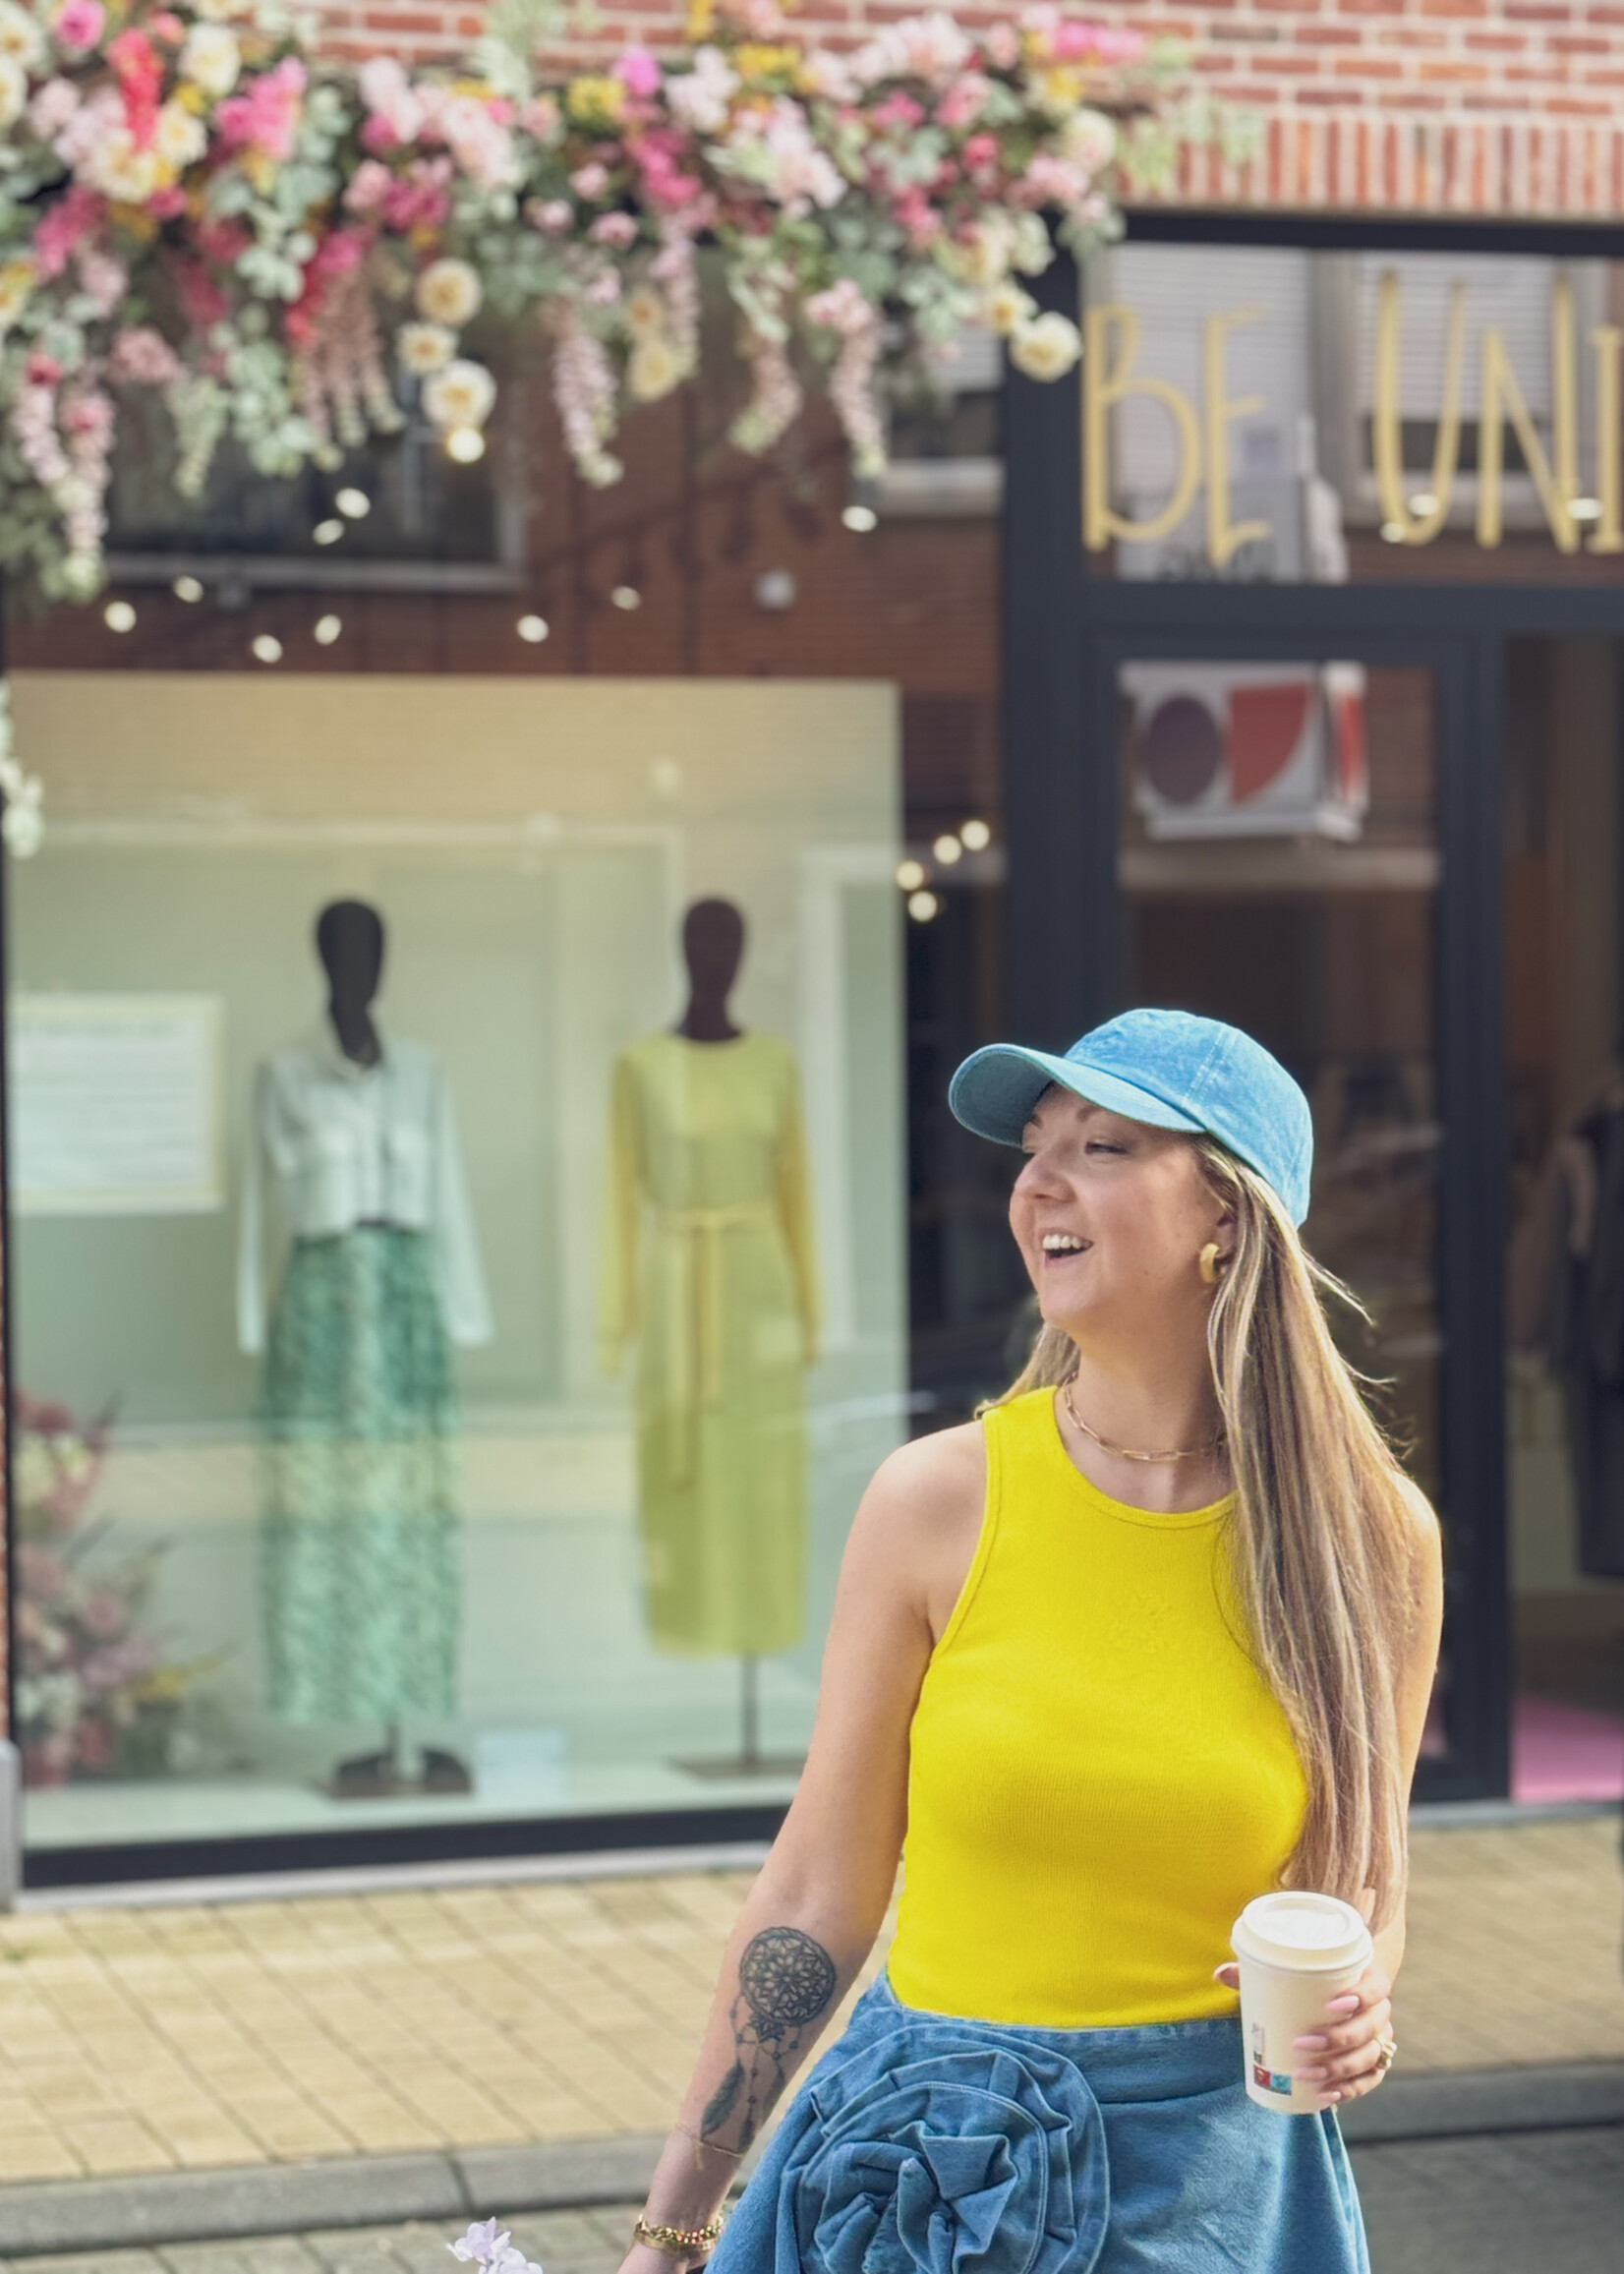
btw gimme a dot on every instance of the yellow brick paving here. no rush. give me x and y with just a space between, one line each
168 2039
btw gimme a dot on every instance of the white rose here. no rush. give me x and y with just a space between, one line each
179 139
655 367
13 90
460 395
985 259
448 292
1007 307
21 37
1047 347
425 348
1088 141
210 58
218 11
122 170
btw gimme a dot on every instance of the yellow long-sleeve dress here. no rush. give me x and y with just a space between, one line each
707 1266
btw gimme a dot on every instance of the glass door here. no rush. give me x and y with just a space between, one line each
1281 823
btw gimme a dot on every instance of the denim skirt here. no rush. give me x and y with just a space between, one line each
921 2144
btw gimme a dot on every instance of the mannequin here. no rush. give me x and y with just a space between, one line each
707 1268
349 939
713 948
361 1579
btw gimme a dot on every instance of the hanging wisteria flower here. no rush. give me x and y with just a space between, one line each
448 292
463 394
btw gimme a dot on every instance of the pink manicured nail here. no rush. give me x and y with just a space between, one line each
1310 2044
1346 2003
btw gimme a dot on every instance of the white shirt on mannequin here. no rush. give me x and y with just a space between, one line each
347 1144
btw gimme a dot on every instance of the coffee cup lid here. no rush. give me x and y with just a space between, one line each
1305 1932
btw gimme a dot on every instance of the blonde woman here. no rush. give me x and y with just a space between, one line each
1153 1636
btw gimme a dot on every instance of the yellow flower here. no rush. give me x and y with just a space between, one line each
260 170
757 60
701 20
596 101
655 369
17 281
1060 88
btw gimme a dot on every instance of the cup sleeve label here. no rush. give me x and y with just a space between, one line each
1266 2079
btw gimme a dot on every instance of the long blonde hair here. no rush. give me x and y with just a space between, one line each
1324 1536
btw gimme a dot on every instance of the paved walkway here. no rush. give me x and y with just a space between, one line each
1496 2205
252 2035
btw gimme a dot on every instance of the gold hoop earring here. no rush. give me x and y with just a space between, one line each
1209 1264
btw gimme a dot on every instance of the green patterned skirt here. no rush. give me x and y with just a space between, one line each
361 1580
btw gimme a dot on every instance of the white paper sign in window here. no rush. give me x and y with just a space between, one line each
115 1104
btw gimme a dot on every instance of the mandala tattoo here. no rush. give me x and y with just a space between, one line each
786 1984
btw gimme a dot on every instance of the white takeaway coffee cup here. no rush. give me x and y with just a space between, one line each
1297 1951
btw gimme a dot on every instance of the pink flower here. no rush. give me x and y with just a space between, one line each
379 137
103 1614
168 204
1050 181
144 357
168 25
53 107
540 118
366 186
553 216
900 110
618 230
62 227
79 23
913 209
638 72
265 116
964 101
1003 45
589 182
140 75
421 198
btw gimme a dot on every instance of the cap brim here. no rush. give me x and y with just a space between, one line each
996 1089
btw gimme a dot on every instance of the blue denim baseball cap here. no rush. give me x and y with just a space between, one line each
1167 1067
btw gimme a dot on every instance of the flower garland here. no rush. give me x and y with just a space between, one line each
285 250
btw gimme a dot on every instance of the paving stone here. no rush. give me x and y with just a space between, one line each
1496 2205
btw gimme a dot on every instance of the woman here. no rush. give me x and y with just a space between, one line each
1154 1635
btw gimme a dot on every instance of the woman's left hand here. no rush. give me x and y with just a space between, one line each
1343 2056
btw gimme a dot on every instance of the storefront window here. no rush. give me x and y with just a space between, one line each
475 1034
1565 1382
1259 415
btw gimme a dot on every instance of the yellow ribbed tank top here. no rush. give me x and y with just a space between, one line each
1099 1779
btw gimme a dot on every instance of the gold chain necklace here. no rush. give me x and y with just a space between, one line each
1124 1452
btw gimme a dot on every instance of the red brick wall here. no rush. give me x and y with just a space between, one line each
1437 106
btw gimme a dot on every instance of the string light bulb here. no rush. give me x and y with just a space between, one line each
975 836
466 444
922 907
910 875
328 532
119 616
267 648
186 588
532 629
352 503
626 595
861 518
947 850
327 629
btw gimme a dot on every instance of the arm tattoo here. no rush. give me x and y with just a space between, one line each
786 1986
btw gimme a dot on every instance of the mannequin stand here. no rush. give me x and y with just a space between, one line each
749 1760
382 1775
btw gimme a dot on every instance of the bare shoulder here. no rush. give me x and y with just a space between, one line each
921 1515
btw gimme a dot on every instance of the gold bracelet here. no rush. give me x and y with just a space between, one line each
679 2242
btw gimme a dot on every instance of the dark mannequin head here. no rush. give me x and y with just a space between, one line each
349 939
713 946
